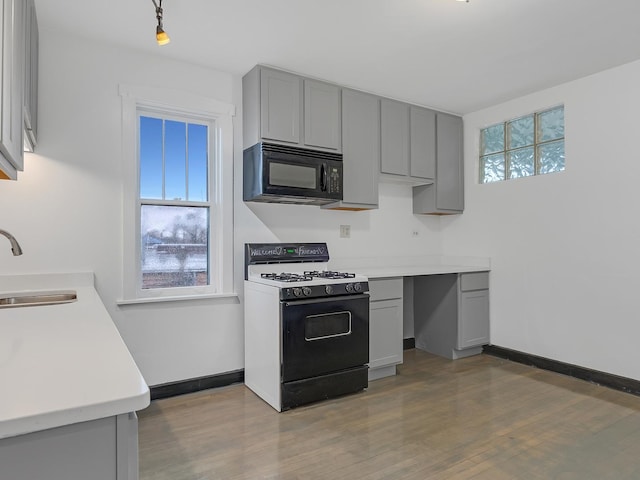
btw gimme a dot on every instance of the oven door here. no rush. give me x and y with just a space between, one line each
322 336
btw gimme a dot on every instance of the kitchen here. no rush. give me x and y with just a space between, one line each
554 278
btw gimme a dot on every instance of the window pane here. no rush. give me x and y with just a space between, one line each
150 158
551 157
492 139
174 246
521 162
551 124
520 132
492 168
198 147
175 161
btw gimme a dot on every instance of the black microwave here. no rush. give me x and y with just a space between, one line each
282 174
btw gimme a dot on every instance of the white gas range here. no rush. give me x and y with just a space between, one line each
306 327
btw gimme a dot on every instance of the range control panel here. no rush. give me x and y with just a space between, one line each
328 290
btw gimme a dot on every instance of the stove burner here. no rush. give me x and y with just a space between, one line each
329 274
287 277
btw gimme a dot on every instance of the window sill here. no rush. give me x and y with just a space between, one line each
180 298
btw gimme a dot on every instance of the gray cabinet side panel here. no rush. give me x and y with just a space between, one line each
360 147
251 108
127 446
394 137
280 105
423 143
322 115
81 451
385 337
450 191
435 310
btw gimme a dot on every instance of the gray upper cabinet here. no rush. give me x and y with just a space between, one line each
446 194
286 108
31 40
360 150
394 141
11 91
423 143
408 143
381 139
321 115
280 106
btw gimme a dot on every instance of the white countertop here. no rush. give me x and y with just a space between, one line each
62 364
416 270
385 267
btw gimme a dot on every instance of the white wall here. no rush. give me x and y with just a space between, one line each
565 247
66 207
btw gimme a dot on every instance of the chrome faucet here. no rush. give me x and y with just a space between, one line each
15 246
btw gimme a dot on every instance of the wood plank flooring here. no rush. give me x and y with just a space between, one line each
476 418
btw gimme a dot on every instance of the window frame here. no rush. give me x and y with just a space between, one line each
218 116
537 143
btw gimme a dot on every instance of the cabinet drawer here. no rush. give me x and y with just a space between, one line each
474 281
385 288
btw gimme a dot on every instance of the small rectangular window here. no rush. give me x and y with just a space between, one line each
523 147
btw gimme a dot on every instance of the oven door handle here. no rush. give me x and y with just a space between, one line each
325 299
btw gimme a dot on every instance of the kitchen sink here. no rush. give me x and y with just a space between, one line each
32 299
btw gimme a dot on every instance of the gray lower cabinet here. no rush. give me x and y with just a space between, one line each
283 107
103 449
446 194
385 326
451 313
360 151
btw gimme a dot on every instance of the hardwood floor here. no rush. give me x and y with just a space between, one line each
476 418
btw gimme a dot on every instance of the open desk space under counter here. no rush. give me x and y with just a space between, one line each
70 388
441 302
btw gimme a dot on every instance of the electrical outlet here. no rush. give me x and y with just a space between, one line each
415 233
345 231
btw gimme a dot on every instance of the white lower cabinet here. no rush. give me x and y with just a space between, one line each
103 449
385 326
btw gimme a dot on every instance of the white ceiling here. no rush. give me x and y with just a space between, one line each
446 54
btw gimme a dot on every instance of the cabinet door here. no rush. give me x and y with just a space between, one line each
450 181
12 82
473 319
322 115
31 46
385 333
280 94
360 147
394 141
423 143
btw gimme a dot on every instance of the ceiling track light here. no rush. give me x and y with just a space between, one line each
161 36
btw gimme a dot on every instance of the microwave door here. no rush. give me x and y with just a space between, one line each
293 178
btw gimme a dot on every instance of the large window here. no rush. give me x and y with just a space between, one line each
174 201
178 197
522 147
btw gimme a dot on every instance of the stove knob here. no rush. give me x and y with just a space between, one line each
297 291
349 287
357 287
306 291
328 289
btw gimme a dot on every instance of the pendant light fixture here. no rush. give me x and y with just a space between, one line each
161 36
